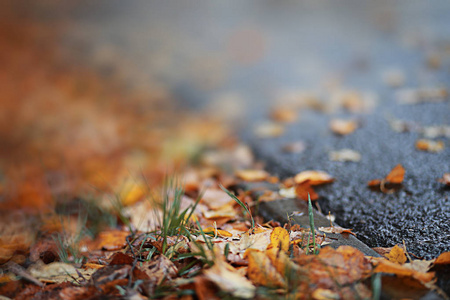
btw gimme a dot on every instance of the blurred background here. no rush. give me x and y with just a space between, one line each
93 87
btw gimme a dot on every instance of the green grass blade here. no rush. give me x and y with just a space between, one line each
311 222
239 202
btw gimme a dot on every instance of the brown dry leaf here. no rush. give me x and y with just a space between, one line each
287 115
314 177
334 268
261 271
228 279
259 240
430 145
279 238
383 251
160 269
396 175
343 127
205 289
445 179
269 130
443 259
304 189
252 175
386 266
336 229
54 272
397 255
111 240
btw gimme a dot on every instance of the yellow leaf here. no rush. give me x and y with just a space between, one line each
279 238
397 255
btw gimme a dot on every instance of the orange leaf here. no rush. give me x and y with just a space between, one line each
252 175
218 232
443 259
112 240
279 238
287 115
303 189
374 183
261 271
314 177
397 255
343 127
430 145
396 175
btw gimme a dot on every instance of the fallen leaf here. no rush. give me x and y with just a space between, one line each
160 269
397 255
345 155
261 271
269 130
324 294
252 175
279 238
314 177
281 261
228 279
374 183
287 115
304 190
430 145
396 175
386 266
288 193
343 127
54 272
131 192
336 229
383 251
217 232
443 259
445 179
205 289
295 147
224 211
120 258
216 198
112 240
259 240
